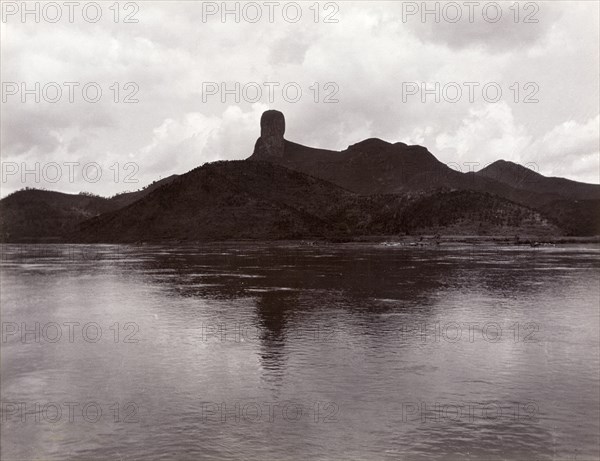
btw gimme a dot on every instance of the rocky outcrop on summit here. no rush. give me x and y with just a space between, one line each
374 166
270 145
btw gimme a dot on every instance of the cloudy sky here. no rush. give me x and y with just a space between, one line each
361 68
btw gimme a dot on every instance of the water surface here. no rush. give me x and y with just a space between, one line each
286 351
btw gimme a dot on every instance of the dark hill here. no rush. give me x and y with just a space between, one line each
34 215
262 200
223 200
126 198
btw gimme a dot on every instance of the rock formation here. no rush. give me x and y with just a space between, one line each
271 144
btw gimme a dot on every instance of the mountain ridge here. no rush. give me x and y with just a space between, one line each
263 200
288 190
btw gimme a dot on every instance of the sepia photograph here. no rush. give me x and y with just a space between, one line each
300 230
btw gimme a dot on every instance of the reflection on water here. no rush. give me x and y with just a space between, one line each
285 351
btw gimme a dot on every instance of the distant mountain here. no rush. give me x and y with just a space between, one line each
34 215
520 177
375 166
126 198
572 205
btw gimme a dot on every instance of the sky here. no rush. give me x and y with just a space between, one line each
185 83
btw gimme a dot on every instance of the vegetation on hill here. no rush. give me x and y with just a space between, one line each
261 200
37 215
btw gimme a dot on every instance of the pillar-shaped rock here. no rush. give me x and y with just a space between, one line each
272 128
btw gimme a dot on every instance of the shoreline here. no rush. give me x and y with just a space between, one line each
391 240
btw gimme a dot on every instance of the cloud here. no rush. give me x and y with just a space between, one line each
570 147
180 145
497 27
491 133
487 134
365 57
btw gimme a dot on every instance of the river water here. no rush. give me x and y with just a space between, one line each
287 351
